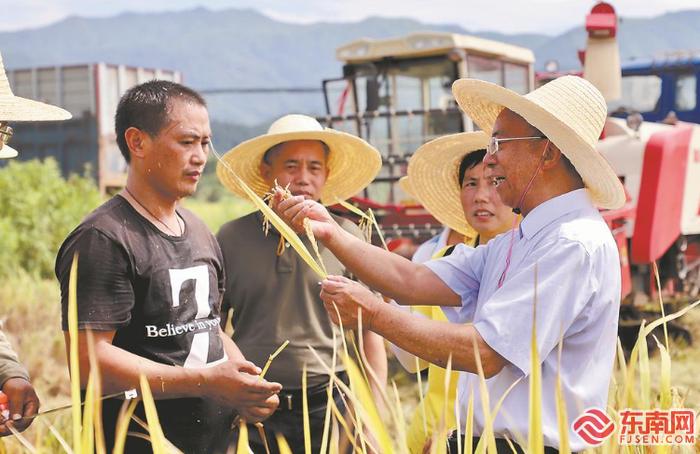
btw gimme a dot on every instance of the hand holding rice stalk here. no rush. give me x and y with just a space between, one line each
286 194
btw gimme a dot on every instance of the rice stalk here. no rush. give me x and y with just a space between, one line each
661 302
562 417
367 221
665 391
96 407
28 446
242 447
401 421
125 414
87 442
536 437
644 374
468 447
74 361
62 441
348 432
421 398
270 358
154 429
282 445
487 435
305 409
329 398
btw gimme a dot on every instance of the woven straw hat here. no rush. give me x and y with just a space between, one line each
14 108
569 110
352 162
433 177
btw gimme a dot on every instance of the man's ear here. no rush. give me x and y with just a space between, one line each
137 142
265 171
552 156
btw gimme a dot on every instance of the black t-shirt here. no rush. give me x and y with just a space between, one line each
162 296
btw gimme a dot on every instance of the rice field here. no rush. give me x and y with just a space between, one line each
31 310
37 337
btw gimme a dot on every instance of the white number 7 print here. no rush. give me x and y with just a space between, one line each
199 350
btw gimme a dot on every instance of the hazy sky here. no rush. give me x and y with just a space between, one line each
509 16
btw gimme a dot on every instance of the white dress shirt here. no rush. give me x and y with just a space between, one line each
578 296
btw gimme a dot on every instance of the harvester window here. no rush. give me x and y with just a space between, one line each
639 93
686 93
516 77
486 69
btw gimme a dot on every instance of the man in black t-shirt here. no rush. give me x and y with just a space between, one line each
150 282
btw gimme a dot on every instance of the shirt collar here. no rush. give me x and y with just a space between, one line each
547 212
443 237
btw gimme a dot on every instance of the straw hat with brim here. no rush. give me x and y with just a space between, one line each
14 108
569 110
352 162
7 152
433 177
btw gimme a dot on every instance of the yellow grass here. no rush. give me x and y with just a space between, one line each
664 380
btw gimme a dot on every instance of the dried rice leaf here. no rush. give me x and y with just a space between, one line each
158 442
270 358
74 358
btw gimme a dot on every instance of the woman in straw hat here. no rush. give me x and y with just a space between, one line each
447 176
272 292
542 155
21 398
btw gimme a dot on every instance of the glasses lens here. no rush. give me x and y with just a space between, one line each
492 147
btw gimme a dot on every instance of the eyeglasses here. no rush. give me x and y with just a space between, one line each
492 147
5 134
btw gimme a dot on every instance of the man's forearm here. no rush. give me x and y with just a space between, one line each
390 274
231 348
435 341
120 370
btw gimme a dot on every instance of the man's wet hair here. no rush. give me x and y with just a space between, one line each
147 106
470 161
275 149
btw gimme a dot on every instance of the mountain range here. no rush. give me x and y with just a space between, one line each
244 48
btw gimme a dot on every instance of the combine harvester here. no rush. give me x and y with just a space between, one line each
396 93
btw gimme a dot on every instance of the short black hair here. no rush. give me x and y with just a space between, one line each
469 161
146 107
273 150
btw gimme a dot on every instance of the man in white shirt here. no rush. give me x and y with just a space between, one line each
542 156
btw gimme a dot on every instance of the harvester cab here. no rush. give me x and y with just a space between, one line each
396 93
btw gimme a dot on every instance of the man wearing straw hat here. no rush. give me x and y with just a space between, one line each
150 279
271 291
562 259
447 176
22 400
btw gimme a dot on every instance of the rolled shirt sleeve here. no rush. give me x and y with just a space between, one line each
461 271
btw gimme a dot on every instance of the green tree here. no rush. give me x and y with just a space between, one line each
38 209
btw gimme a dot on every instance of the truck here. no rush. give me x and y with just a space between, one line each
85 144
